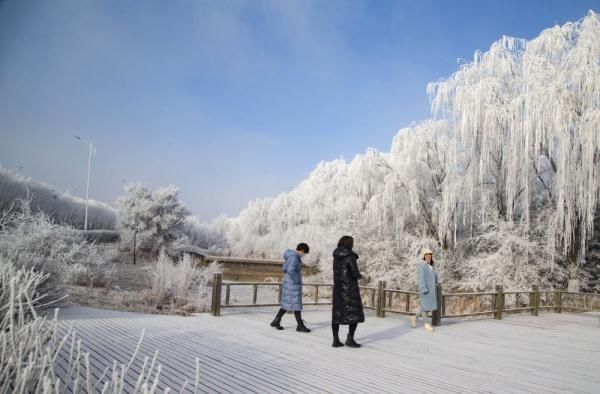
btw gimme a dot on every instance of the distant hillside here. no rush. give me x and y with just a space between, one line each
62 207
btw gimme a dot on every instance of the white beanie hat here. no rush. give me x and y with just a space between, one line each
426 251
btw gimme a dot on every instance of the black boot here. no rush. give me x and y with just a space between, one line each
350 341
277 322
301 327
335 328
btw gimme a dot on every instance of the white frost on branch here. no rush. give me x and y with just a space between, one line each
512 151
527 115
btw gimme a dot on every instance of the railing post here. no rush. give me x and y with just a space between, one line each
532 300
380 298
254 294
444 305
373 293
557 301
436 316
227 293
316 294
407 302
216 294
383 296
536 300
499 302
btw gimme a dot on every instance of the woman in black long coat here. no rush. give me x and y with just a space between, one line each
347 304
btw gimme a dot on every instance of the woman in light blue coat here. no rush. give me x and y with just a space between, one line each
427 280
291 287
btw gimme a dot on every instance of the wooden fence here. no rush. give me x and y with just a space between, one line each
451 305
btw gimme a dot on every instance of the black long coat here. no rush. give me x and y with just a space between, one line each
347 304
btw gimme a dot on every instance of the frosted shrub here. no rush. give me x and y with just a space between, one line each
30 346
203 286
33 240
508 255
23 335
77 274
184 274
180 283
162 277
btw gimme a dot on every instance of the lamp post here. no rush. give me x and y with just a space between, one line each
87 188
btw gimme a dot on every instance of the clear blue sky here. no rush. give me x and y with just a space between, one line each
229 100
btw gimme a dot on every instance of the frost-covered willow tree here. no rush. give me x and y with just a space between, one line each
359 198
526 124
502 180
328 204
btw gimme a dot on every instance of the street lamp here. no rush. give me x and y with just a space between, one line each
87 189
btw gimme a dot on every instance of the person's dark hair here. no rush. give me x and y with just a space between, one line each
346 242
302 247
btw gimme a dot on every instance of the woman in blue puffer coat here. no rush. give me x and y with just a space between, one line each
291 289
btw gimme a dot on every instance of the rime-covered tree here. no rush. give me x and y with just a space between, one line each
157 217
502 182
527 114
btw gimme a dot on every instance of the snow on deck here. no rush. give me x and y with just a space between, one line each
239 352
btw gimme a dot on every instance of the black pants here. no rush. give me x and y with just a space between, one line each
336 329
297 314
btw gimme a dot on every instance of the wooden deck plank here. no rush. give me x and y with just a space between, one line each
239 352
170 349
105 345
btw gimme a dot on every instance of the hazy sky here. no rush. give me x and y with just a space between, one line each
228 100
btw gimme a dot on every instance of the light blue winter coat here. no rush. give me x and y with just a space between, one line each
427 280
291 291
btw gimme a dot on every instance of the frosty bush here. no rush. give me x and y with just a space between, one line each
33 240
203 285
24 361
30 346
508 254
174 282
162 277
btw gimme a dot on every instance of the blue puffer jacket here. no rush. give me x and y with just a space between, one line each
291 292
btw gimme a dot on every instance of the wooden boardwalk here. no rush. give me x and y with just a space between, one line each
239 352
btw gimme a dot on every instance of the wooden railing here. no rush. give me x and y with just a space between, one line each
451 305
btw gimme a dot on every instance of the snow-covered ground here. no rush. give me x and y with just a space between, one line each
239 352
